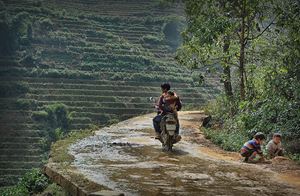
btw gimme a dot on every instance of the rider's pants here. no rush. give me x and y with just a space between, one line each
156 124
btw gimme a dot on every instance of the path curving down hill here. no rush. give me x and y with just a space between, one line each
103 59
125 158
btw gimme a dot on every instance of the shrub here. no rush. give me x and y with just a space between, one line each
231 141
26 104
31 183
34 181
58 116
14 190
56 120
40 115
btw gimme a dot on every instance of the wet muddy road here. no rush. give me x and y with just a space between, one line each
126 158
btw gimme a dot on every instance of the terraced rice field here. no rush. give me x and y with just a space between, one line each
103 59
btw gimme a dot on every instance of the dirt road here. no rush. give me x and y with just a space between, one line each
126 158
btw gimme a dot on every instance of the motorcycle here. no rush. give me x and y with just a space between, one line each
168 135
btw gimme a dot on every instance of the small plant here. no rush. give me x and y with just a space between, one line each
32 182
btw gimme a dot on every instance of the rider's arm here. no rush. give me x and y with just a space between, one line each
178 104
160 103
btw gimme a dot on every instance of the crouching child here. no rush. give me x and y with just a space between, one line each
274 147
252 149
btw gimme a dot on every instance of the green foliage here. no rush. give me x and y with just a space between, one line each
32 182
56 120
271 66
58 116
268 116
40 115
163 4
55 190
14 191
231 141
14 31
113 121
46 24
26 104
13 89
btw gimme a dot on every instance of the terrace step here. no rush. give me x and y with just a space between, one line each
20 139
19 165
20 158
95 98
9 126
21 145
13 171
99 104
8 180
20 152
110 110
19 132
91 82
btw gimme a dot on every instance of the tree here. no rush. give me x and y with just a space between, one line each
219 31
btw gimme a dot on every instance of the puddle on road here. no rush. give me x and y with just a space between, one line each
130 161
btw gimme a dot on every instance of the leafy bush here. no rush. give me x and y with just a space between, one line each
26 104
56 120
14 191
268 115
14 31
39 115
32 182
231 141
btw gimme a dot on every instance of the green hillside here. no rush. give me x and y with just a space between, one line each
102 59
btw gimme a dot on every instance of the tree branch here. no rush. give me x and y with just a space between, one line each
267 27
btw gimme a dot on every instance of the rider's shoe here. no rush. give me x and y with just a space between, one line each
177 138
157 136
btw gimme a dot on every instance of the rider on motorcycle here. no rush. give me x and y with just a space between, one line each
168 102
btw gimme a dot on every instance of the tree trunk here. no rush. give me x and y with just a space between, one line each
242 54
226 70
227 76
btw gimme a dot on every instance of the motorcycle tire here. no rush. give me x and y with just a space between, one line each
169 143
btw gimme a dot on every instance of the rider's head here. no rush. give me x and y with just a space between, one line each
165 87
